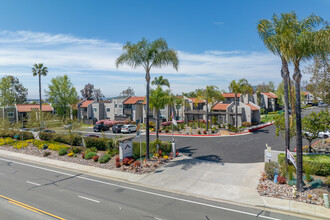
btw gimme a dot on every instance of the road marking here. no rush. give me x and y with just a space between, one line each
23 205
93 200
37 184
142 191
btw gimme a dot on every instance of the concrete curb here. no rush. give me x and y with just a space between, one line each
213 135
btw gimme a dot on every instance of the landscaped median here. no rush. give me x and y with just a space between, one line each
98 152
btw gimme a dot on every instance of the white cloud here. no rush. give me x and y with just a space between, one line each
93 60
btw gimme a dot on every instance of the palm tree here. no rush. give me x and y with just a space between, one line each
160 81
274 33
242 86
305 41
211 95
158 100
39 70
148 54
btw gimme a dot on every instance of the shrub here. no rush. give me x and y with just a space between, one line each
96 158
166 130
152 124
233 129
46 136
318 164
118 164
11 133
83 155
70 154
117 159
90 155
212 131
76 150
128 160
93 149
281 179
137 164
62 151
99 143
204 132
44 147
105 158
160 153
327 181
246 124
199 132
46 154
270 169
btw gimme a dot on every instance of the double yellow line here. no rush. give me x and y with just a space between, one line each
30 207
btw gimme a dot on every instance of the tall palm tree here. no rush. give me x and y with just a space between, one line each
274 33
148 54
158 100
211 95
39 70
242 86
305 41
160 81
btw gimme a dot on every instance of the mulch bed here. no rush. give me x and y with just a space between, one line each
146 166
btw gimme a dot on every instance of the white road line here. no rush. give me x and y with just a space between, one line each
143 191
37 184
93 200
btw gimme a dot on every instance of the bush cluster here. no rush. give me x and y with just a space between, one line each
270 169
246 124
11 133
98 143
316 164
61 138
105 158
63 151
90 155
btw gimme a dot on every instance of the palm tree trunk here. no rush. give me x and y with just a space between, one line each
236 115
157 125
147 114
207 116
285 75
297 78
40 104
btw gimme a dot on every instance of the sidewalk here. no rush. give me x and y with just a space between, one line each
229 182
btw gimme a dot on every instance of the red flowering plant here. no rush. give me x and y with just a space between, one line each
281 180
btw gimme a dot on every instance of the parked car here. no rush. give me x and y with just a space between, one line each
48 131
100 127
128 128
324 134
92 135
117 128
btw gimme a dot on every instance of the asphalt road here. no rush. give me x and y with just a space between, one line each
68 195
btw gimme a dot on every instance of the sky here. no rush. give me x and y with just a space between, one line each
216 41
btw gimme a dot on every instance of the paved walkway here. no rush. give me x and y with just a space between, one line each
231 182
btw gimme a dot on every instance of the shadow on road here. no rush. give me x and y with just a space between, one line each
190 162
261 131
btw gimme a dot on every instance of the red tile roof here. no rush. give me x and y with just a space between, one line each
253 108
134 100
270 95
305 93
33 107
194 100
85 104
220 106
231 95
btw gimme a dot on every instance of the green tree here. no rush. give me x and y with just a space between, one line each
62 94
39 70
155 54
160 81
12 91
242 86
270 87
158 100
211 95
281 128
304 41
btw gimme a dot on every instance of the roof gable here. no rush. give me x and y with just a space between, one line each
33 107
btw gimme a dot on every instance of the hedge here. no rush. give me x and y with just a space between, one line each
164 146
11 133
318 164
98 143
61 138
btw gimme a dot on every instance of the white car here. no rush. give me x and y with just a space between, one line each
324 134
128 129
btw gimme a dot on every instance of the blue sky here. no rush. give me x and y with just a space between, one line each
216 40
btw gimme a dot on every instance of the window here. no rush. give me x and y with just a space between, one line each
120 106
95 109
108 109
115 105
10 114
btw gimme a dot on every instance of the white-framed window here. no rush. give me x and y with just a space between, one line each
108 109
115 105
120 106
95 109
10 114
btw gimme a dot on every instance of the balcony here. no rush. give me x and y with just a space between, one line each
127 111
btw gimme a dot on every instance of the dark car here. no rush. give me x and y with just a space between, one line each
92 136
48 131
117 128
100 127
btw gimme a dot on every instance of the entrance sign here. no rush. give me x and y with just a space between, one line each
291 158
125 147
269 152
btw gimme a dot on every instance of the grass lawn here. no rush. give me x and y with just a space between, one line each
268 117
